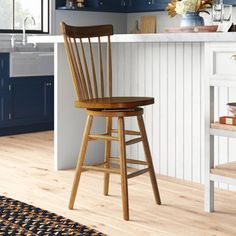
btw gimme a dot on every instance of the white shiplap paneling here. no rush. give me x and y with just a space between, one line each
172 74
179 108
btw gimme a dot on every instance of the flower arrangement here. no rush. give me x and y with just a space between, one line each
183 6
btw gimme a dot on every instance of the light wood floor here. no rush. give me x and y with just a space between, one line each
26 174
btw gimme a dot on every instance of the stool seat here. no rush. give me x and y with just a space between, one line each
114 102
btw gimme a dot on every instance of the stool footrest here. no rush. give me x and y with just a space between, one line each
105 137
129 161
133 141
128 132
101 169
137 173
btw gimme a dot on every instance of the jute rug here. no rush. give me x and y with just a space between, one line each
18 218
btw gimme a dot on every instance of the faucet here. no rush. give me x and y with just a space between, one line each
23 26
13 39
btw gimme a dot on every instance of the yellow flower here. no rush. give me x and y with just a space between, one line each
184 6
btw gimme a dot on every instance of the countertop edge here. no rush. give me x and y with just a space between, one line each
142 38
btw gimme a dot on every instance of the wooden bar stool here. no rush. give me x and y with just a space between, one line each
92 95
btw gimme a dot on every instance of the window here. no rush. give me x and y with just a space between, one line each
13 13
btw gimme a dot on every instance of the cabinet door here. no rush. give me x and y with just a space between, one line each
112 6
145 5
4 89
137 5
160 5
60 3
4 102
31 100
92 4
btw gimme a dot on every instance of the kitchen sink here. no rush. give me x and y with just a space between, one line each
31 63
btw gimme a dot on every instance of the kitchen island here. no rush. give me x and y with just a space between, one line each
172 68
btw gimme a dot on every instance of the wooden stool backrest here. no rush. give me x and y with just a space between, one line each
86 83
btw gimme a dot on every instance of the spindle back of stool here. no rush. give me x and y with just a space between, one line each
88 82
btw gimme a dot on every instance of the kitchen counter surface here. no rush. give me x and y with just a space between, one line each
161 37
24 50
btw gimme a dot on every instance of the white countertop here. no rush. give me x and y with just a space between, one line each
161 37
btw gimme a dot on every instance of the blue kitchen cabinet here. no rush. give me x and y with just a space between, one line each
60 3
26 103
145 5
96 5
128 6
4 89
160 5
31 100
112 6
122 6
137 5
89 5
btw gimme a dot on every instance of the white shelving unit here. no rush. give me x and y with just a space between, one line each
221 72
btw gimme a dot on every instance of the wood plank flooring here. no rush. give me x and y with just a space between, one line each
26 174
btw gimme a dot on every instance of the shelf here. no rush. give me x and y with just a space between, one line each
67 8
76 8
226 170
223 130
97 9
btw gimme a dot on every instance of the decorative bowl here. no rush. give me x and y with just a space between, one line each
232 107
192 29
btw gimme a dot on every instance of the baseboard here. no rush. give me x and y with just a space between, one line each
26 129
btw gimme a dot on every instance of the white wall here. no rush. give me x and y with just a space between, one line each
91 18
163 20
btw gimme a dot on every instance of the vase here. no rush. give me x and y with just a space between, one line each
192 19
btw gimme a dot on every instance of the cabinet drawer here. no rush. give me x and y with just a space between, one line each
222 61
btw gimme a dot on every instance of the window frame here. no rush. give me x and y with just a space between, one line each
12 31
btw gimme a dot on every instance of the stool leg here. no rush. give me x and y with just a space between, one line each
149 159
107 155
80 162
123 168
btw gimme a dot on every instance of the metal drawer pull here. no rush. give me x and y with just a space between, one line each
233 57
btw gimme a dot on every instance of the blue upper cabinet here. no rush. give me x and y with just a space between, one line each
112 6
95 5
122 6
145 5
